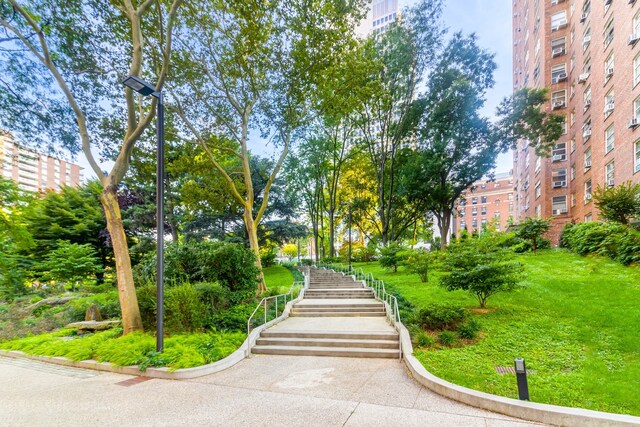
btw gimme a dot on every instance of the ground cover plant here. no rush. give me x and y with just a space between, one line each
181 351
574 321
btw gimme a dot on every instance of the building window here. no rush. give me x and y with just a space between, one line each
586 39
474 212
636 149
608 104
586 130
636 26
474 201
559 152
610 174
588 217
463 225
587 191
636 70
572 172
558 47
538 211
474 223
587 98
462 213
587 158
636 108
559 205
573 144
538 189
609 138
483 199
559 99
608 68
558 73
573 199
538 164
608 33
558 20
559 178
483 210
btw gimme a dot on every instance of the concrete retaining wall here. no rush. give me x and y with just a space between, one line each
549 414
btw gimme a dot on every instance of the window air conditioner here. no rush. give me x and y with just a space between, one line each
610 183
558 104
586 134
609 72
558 157
608 107
586 40
583 77
587 197
559 184
557 52
587 164
583 17
633 123
633 39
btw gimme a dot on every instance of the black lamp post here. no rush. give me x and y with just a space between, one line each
146 89
349 237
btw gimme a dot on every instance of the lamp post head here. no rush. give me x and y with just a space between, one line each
139 85
520 366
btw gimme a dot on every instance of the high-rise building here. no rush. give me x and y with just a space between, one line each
487 202
34 171
381 15
588 54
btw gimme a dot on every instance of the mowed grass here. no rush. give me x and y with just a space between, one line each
576 322
278 277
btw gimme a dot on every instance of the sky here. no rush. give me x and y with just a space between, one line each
489 19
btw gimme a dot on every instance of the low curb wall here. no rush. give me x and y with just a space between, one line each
162 373
539 412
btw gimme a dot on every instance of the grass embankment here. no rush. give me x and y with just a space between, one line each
278 277
181 351
576 323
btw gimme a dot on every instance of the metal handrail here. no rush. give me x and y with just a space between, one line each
265 302
377 286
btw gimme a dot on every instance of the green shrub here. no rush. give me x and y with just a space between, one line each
268 257
420 262
185 312
234 319
447 338
617 241
422 339
147 304
230 264
441 316
214 296
391 256
469 330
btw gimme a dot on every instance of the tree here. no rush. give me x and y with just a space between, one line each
457 146
400 57
71 263
620 203
481 266
533 229
73 215
62 64
420 261
253 65
391 256
290 250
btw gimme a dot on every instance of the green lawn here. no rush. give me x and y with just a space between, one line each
577 324
278 277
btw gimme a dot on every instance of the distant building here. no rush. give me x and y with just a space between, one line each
381 15
485 202
34 171
587 54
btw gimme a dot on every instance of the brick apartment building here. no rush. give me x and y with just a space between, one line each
34 171
587 53
487 201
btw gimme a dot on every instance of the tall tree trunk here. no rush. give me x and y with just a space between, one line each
332 233
252 234
131 320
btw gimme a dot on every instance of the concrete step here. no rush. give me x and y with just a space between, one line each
304 308
329 295
338 313
368 290
327 351
328 342
341 305
356 335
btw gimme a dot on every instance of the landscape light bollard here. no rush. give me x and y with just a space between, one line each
521 377
146 89
298 252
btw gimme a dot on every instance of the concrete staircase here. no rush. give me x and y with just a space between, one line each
337 317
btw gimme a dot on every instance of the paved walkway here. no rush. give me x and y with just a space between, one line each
260 391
